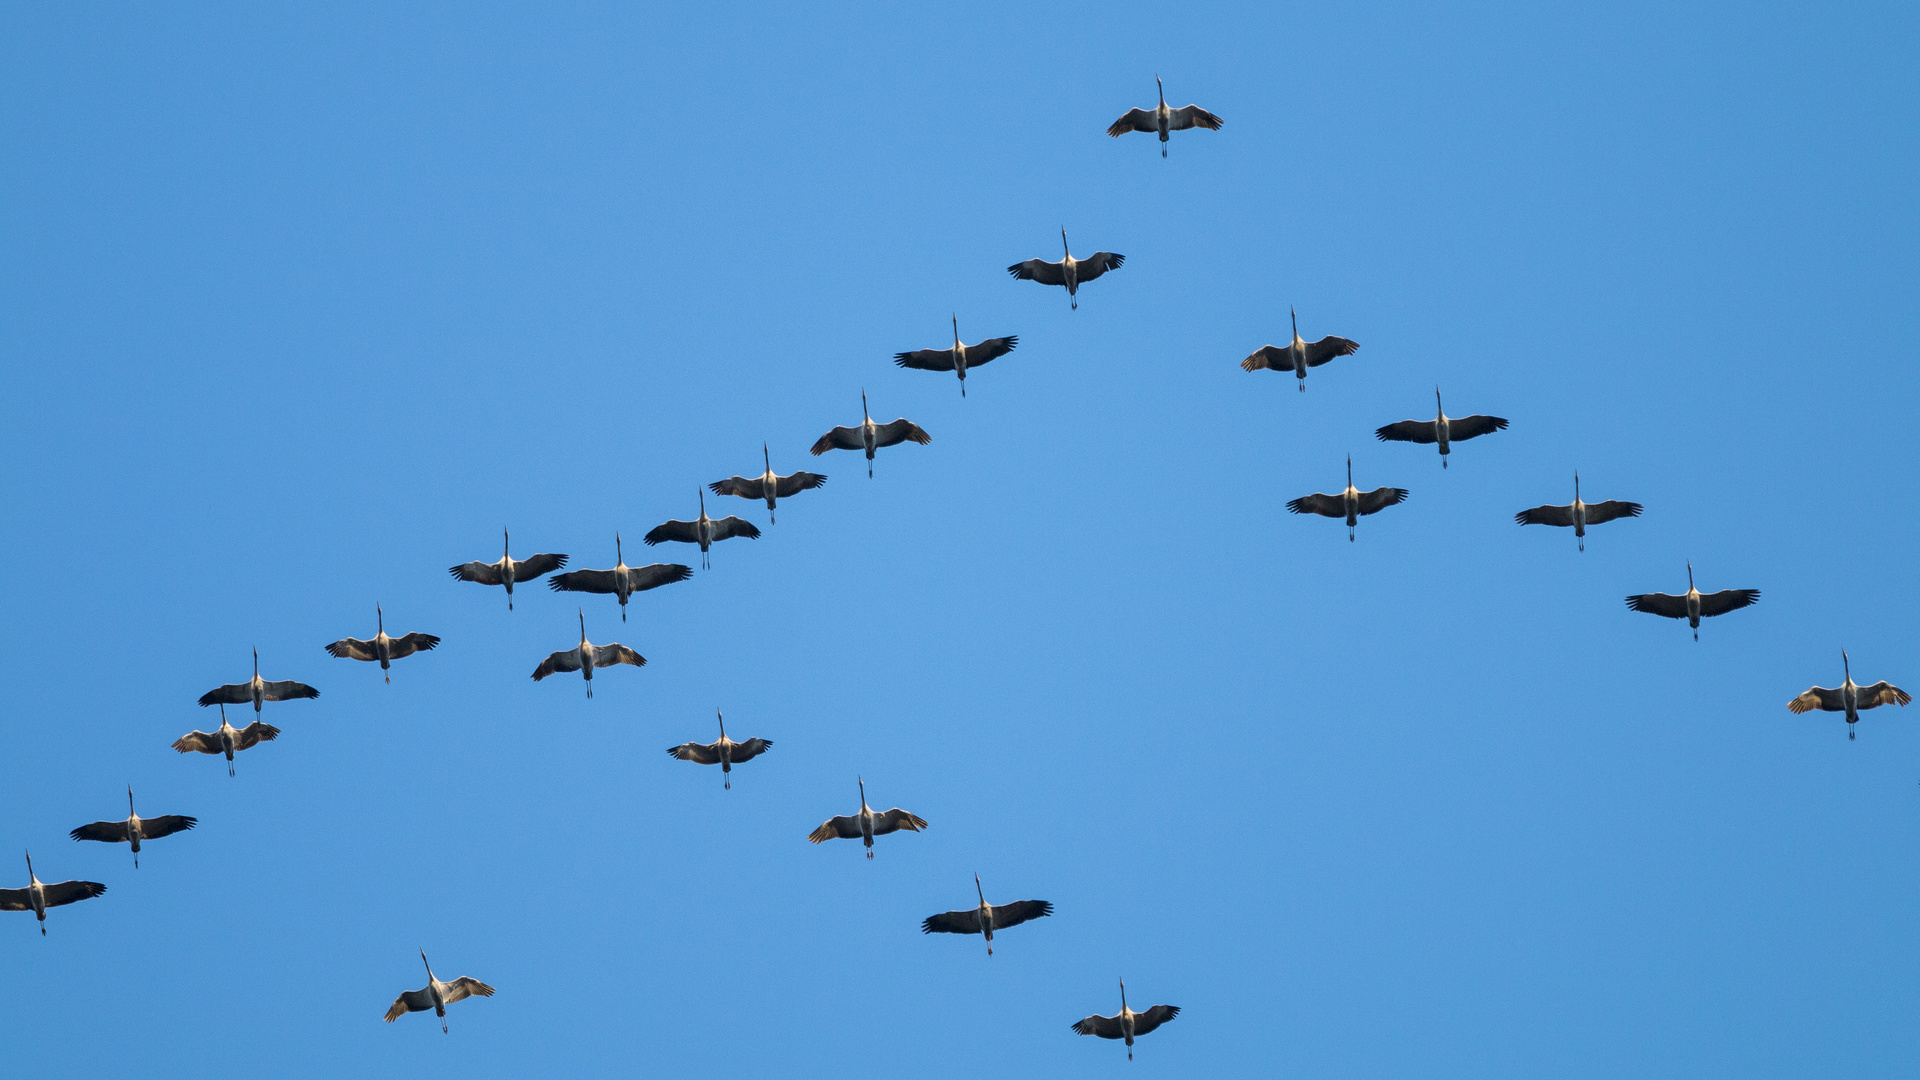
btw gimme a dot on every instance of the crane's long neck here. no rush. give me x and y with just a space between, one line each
863 795
1576 485
723 724
1845 665
703 502
30 876
766 455
130 812
506 544
865 417
583 628
379 620
619 556
956 333
980 891
1294 317
1123 997
1162 88
1065 250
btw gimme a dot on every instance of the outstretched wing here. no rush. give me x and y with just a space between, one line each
616 653
1153 1018
463 988
1332 506
1379 499
1267 356
684 532
1719 603
898 432
840 438
1817 697
795 483
835 828
1134 120
896 819
990 349
953 922
1319 352
1882 693
252 735
166 825
752 748
287 690
1192 116
1612 508
231 694
352 649
412 643
1040 270
15 900
1020 911
727 527
484 573
1414 431
1100 263
1547 515
1659 603
739 485
698 753
1472 427
70 892
1107 1027
926 359
411 1001
588 581
657 574
107 832
564 660
197 742
529 568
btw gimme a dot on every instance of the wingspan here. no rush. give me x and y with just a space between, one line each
15 900
1609 510
1020 911
1040 270
1192 116
1267 356
990 349
529 568
1546 515
230 694
1153 1018
1882 693
795 483
1719 603
899 431
752 748
895 820
352 649
1134 120
197 742
70 892
1319 352
926 359
739 485
107 832
1106 1027
483 573
1100 263
1817 697
1332 506
698 753
728 527
287 690
1413 431
252 735
412 643
657 574
1472 427
1379 499
587 581
835 828
1659 603
684 532
840 438
411 1001
463 988
952 922
166 825
616 653
564 660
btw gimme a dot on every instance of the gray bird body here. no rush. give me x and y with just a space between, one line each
1299 354
1579 514
1849 697
959 358
724 753
1693 605
1351 503
1443 429
586 656
507 570
870 436
38 896
134 829
380 647
866 824
1127 1025
1162 120
623 580
704 531
436 995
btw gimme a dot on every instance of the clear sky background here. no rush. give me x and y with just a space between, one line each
300 308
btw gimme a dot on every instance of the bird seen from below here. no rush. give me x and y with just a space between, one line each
623 580
134 829
38 896
1164 120
436 996
382 648
257 690
1579 514
1351 503
866 824
1069 271
704 531
958 358
1443 429
1850 697
226 740
870 436
986 918
724 753
1694 605
586 656
507 570
1128 1025
768 485
1298 355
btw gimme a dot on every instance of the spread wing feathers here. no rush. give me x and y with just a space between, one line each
166 825
230 694
1817 697
1719 603
14 900
412 643
287 690
352 649
71 892
197 742
835 828
616 653
1020 911
107 832
795 483
1550 515
1380 498
927 359
251 736
1267 356
739 485
1882 693
1659 603
1607 511
1318 503
1107 1027
463 988
727 527
898 432
685 532
698 753
953 922
1136 120
411 1001
1100 263
752 748
1472 427
1153 1018
1319 352
657 574
1192 116
484 573
530 568
895 820
1415 431
564 660
593 581
990 349
840 438
1040 270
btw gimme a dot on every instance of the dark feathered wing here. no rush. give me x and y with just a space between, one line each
587 581
835 828
1100 263
990 349
1319 352
727 527
745 487
1319 503
1546 515
1413 431
1372 502
895 820
752 748
197 742
529 568
411 1001
1472 427
287 690
482 573
840 438
926 359
698 753
1267 356
107 832
1719 603
166 825
901 430
1882 693
1134 120
1659 603
1040 270
71 892
1106 1027
463 988
564 660
412 643
1020 911
1817 697
795 483
684 532
1609 510
1191 116
1153 1018
657 574
251 736
952 922
15 900
230 694
352 649
616 653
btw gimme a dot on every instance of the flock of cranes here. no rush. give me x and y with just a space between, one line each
866 824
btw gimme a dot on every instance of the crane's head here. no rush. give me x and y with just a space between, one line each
1063 242
1294 317
1123 995
1436 397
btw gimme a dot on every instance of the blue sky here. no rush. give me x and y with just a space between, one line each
298 309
